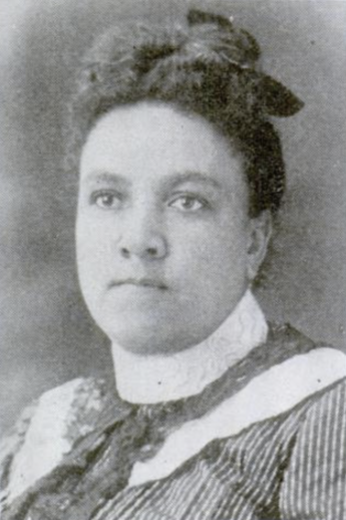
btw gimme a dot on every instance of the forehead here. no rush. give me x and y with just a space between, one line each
158 139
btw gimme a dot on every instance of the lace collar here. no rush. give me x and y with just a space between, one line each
154 379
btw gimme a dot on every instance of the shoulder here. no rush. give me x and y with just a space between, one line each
314 481
299 373
47 430
263 416
305 371
325 416
298 415
280 403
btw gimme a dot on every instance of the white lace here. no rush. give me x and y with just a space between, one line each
153 379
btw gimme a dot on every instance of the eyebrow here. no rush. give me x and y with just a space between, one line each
192 176
107 177
172 181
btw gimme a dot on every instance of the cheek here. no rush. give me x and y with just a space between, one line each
92 248
213 251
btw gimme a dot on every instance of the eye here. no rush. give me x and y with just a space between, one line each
188 203
106 199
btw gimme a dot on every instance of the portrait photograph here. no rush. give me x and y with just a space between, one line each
173 260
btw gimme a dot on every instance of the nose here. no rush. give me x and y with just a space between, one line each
143 238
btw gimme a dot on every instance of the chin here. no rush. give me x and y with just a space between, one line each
153 331
142 342
149 337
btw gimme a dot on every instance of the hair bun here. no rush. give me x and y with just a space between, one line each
243 52
195 17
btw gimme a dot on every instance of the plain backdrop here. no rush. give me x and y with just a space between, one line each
46 336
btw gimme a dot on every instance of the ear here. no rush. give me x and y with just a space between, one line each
259 233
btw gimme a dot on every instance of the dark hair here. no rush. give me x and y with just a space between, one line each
207 67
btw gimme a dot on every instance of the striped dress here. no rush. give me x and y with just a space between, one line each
293 467
289 466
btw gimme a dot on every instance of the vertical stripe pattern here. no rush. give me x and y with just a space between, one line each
292 467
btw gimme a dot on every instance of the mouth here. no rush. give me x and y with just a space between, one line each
150 283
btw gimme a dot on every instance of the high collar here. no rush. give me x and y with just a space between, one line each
158 378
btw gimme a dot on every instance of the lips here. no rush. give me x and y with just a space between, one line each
140 282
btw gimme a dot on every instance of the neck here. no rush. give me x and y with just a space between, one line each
158 378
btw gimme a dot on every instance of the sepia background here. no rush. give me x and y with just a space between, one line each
46 336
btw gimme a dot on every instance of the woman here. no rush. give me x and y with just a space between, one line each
217 414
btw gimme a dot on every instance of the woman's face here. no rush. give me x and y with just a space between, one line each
165 246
